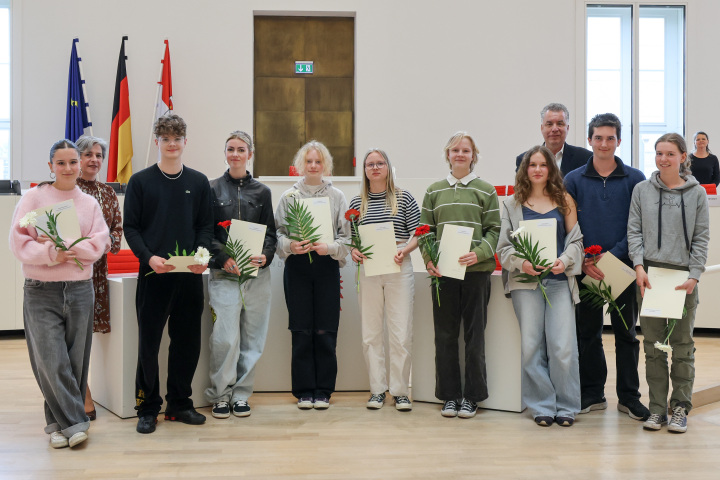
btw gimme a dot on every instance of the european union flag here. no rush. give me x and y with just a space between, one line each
76 118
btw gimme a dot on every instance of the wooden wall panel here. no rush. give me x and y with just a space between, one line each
291 109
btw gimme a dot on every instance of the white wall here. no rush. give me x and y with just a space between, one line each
422 72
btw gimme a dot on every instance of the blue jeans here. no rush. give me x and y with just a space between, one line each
58 329
239 333
551 377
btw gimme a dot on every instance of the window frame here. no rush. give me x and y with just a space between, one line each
631 130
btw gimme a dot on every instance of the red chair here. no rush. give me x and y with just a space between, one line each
123 262
498 267
500 189
510 190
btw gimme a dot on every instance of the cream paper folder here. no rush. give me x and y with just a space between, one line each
662 300
455 243
384 248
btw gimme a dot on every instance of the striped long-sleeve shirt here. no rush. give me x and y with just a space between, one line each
404 222
468 202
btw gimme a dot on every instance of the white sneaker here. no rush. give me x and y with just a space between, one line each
655 422
77 439
58 440
305 403
403 403
322 403
376 401
678 422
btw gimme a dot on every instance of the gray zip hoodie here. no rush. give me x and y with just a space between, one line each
669 225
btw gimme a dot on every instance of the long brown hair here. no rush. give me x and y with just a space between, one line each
554 188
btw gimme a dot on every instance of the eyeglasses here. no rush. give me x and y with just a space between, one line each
373 166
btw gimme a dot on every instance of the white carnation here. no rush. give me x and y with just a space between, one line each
30 219
663 347
202 256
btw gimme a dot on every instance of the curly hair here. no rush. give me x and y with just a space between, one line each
554 188
170 125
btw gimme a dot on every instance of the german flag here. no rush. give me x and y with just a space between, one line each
121 150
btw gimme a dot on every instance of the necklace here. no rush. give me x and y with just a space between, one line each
182 168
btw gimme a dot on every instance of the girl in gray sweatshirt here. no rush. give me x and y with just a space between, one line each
668 227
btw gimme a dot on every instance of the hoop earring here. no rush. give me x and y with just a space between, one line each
52 175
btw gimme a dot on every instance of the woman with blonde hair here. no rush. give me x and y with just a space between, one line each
386 300
465 200
551 376
312 280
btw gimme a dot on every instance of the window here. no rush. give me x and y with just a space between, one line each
647 76
4 90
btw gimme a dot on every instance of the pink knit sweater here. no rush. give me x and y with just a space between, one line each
36 256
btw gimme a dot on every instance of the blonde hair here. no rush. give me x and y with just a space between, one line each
457 138
327 160
391 190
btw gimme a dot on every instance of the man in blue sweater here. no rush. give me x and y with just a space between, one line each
603 190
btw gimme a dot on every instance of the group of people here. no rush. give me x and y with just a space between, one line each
601 201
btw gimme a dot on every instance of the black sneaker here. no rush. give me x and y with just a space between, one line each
635 409
544 421
241 409
565 421
593 404
189 416
221 410
146 423
403 403
450 408
376 401
468 409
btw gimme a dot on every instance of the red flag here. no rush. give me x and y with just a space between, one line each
121 151
164 103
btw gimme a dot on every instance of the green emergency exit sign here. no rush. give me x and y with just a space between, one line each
304 67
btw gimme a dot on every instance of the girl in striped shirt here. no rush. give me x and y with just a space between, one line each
390 295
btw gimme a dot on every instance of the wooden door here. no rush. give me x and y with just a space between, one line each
293 108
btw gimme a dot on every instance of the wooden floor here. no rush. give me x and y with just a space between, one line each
350 442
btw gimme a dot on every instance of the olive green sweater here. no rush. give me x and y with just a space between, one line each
468 202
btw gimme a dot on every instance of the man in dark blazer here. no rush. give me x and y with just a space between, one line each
554 128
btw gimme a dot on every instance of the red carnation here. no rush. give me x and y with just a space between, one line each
225 224
593 250
422 230
351 215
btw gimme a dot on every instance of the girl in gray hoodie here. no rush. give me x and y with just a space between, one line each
668 227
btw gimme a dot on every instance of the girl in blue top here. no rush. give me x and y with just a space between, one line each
551 377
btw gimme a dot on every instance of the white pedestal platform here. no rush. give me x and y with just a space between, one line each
114 355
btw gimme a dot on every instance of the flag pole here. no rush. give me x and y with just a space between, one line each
84 89
157 97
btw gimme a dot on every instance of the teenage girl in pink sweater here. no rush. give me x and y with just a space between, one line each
58 300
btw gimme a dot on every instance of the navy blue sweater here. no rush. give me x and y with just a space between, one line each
604 205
